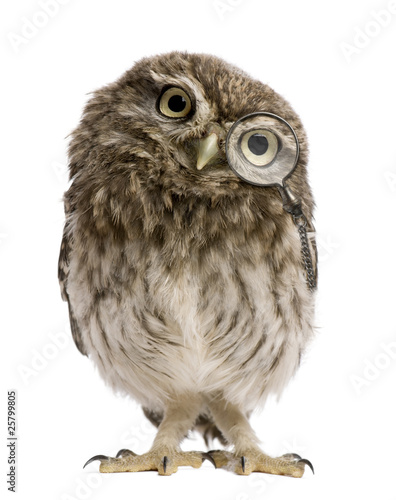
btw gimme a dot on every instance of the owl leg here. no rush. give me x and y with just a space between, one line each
247 456
165 455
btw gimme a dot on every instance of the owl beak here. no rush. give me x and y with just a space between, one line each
207 149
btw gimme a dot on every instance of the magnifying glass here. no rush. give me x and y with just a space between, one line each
263 149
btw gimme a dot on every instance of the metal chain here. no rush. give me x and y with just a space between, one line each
301 223
292 204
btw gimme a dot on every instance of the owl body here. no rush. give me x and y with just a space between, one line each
209 322
179 280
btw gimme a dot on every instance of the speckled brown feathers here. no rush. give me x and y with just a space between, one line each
181 280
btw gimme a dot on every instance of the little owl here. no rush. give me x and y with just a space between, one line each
186 283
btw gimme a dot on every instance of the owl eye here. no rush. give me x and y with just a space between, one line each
174 103
259 147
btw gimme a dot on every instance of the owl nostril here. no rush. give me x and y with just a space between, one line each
215 128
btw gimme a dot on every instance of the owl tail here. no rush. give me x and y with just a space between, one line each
209 431
204 425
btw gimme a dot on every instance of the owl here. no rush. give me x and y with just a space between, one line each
185 279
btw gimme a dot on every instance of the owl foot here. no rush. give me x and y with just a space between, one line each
166 462
290 464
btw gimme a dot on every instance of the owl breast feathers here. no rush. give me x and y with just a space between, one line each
180 277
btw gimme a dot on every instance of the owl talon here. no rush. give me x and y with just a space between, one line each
307 462
125 453
295 457
164 463
243 463
291 456
208 456
96 457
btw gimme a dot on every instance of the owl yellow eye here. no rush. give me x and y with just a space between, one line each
175 103
259 147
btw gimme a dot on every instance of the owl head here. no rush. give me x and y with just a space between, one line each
161 130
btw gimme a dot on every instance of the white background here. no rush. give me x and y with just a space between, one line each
339 411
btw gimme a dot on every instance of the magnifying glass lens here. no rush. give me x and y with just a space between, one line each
262 149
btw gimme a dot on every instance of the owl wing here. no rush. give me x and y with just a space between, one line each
63 273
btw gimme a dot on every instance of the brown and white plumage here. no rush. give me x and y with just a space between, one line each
185 287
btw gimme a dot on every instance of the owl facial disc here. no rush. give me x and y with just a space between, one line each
262 149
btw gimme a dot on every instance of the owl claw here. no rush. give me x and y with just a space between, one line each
125 453
243 463
164 463
208 456
298 460
291 456
307 462
96 457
